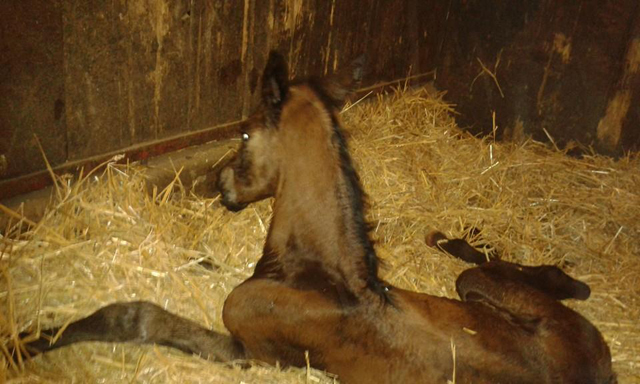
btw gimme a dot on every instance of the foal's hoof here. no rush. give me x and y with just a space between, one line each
582 290
560 285
457 248
434 237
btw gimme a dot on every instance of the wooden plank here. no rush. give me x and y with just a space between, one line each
217 94
476 33
349 27
259 42
138 74
198 165
95 61
618 131
173 68
31 85
554 65
597 35
389 40
227 86
403 38
41 179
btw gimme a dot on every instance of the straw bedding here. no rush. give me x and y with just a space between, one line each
109 238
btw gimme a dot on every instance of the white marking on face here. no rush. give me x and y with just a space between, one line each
227 178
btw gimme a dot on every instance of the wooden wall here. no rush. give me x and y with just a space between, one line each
569 68
90 77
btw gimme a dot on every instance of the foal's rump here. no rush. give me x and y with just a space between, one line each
492 346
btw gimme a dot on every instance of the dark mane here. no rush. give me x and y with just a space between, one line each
356 195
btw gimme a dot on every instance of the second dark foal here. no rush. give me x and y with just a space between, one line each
316 287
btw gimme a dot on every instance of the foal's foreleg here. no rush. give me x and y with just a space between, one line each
141 322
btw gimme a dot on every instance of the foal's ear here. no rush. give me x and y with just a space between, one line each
275 81
343 83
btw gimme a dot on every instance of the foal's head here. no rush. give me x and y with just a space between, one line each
253 174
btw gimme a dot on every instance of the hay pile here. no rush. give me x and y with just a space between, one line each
109 238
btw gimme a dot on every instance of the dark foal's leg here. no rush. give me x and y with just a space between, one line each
548 279
527 293
141 322
525 304
458 248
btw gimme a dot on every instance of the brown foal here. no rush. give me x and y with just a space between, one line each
316 288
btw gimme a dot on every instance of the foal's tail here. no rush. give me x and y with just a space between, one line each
460 248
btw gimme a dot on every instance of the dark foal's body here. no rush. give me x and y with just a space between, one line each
316 287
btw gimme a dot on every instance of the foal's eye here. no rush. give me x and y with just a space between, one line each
245 136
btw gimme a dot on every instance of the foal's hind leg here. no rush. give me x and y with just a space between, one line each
497 287
572 345
547 279
458 248
277 323
141 323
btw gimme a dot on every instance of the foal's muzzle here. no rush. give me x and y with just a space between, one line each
228 196
232 206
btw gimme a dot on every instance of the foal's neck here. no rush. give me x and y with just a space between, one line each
315 238
318 237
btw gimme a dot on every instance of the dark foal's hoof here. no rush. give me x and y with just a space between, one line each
582 291
458 248
559 284
433 238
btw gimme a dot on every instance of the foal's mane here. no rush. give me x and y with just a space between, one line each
356 196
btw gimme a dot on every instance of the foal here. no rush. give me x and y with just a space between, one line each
316 287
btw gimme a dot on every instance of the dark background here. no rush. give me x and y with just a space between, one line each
92 77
